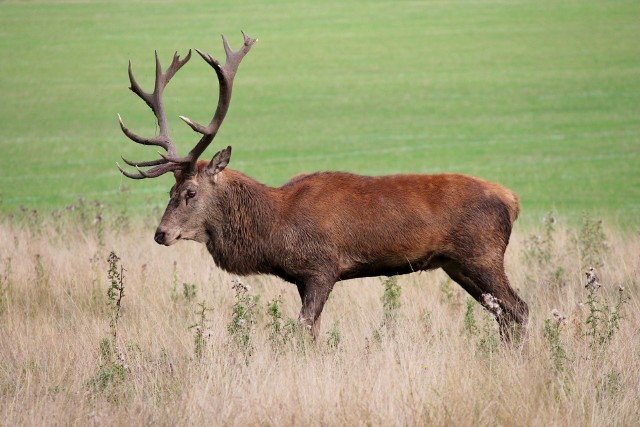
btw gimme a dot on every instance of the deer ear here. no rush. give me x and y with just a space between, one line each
219 162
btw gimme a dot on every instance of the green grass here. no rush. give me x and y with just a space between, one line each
542 96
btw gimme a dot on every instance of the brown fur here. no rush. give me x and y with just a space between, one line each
320 228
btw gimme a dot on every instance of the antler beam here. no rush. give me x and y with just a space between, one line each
170 161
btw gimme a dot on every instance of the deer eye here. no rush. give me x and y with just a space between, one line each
191 194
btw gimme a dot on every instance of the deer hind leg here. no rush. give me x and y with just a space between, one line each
489 285
314 294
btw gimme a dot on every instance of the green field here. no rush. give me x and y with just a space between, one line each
542 96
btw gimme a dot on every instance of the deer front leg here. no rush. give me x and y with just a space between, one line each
314 294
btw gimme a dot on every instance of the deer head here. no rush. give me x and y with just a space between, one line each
195 181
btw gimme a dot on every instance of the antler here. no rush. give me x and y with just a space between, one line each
170 161
154 101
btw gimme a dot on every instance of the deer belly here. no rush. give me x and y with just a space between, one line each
390 265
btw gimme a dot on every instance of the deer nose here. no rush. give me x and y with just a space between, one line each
159 237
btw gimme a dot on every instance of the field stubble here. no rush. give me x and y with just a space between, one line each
192 349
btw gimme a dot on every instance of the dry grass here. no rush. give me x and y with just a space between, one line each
428 369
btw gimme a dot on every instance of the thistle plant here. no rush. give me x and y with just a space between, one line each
470 325
592 242
539 249
113 369
391 302
449 294
189 291
489 341
115 293
540 254
390 308
334 336
274 312
243 318
552 334
174 281
610 385
286 333
200 331
279 335
603 320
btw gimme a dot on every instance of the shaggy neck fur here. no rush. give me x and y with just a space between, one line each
239 242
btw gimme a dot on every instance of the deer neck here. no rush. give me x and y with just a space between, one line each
240 228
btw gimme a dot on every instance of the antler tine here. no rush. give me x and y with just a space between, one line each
176 64
154 101
162 79
227 49
170 161
151 173
135 87
225 74
141 175
234 58
158 140
156 162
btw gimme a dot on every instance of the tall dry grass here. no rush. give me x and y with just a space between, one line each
439 362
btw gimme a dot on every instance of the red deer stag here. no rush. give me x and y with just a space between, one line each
324 227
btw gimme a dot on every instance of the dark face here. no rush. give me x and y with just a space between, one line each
191 203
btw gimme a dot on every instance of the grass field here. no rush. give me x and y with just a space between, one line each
543 96
427 355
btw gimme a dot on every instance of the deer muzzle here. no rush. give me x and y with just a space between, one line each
159 237
166 237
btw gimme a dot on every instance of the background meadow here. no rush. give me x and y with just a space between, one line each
542 96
